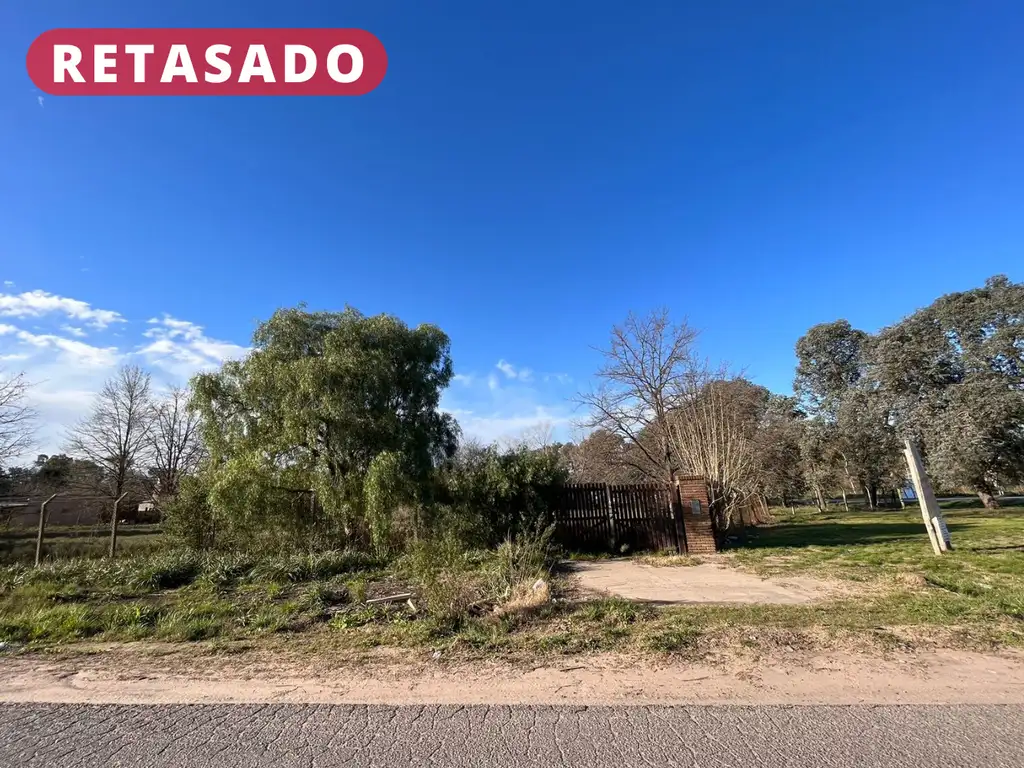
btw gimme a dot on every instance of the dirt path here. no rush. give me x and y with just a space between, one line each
122 675
704 583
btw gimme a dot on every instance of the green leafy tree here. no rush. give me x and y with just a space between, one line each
320 396
830 360
778 443
953 376
834 384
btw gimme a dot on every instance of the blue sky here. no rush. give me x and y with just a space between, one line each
526 174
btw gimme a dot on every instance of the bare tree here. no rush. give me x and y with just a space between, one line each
714 429
674 414
646 368
116 435
177 445
17 419
600 457
537 437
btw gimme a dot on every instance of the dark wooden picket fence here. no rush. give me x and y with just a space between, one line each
597 517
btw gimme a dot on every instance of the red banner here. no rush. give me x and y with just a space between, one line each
207 62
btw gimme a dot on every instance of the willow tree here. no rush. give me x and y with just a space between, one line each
293 429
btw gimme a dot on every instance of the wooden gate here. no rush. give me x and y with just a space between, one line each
597 517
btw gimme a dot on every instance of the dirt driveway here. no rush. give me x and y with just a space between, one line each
704 583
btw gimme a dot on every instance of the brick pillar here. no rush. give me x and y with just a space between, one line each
700 534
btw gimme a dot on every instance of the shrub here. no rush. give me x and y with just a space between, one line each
188 517
382 492
169 571
496 494
522 560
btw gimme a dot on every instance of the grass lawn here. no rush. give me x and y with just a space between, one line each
895 593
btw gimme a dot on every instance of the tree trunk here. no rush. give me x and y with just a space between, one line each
988 500
899 495
819 498
871 496
846 503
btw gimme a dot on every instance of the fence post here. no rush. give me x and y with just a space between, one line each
42 529
611 513
113 526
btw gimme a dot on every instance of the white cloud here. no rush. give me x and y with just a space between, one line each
509 402
8 283
464 379
70 351
182 348
495 427
523 374
507 368
66 371
41 303
40 100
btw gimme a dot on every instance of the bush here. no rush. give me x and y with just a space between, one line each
448 583
315 567
169 571
188 517
495 495
521 561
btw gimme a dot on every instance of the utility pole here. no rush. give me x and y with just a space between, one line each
933 520
42 529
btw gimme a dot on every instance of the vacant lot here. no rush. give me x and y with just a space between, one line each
892 592
18 545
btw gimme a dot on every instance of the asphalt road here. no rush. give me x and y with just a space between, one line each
282 736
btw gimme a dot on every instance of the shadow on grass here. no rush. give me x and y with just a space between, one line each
825 534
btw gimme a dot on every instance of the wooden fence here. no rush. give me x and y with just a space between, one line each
597 517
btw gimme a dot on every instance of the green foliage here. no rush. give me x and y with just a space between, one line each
830 360
166 571
952 375
495 494
189 517
851 441
320 397
383 491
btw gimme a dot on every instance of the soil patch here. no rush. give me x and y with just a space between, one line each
703 583
126 674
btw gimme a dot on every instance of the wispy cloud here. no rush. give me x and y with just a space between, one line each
40 100
66 371
509 402
41 303
70 351
182 347
512 372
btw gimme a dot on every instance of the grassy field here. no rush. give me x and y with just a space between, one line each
894 593
18 545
